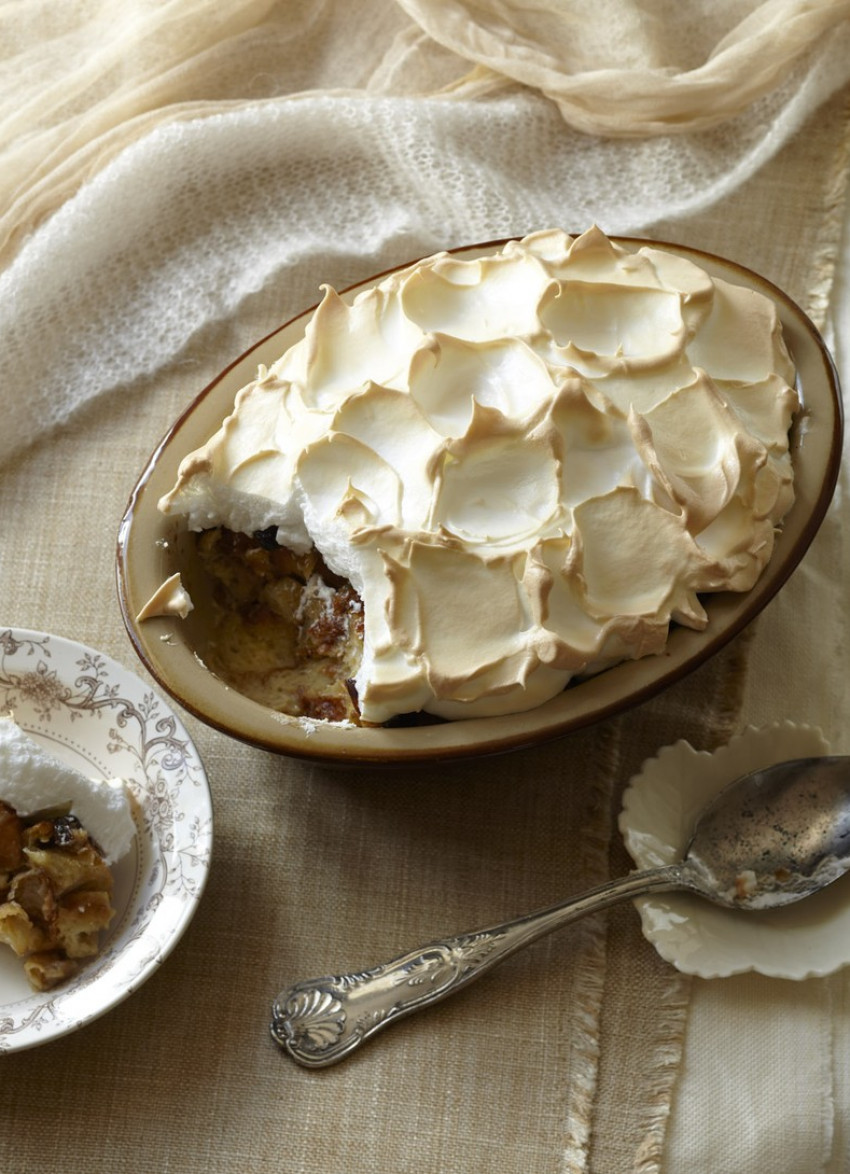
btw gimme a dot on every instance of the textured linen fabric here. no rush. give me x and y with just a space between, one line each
317 870
166 209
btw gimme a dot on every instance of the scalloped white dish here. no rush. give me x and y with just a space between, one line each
660 806
102 720
153 547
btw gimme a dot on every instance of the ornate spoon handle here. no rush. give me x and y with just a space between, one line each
322 1020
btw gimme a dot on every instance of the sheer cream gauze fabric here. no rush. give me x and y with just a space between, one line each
79 81
621 68
288 142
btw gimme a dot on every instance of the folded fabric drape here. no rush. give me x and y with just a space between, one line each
81 80
632 69
217 150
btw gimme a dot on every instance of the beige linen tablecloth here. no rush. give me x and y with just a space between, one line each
120 300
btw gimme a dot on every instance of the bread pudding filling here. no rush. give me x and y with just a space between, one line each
55 895
284 630
60 832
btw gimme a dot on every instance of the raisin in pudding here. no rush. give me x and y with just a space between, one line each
482 479
60 832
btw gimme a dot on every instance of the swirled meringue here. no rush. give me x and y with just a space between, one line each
527 464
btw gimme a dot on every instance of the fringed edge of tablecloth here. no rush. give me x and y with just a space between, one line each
590 979
831 225
672 1024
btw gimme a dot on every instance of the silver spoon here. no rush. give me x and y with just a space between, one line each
769 838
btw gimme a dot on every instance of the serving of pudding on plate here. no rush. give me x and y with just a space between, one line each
484 478
60 833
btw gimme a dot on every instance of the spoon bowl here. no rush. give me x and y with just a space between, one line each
770 838
774 836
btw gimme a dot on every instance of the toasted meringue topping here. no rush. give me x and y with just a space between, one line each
527 464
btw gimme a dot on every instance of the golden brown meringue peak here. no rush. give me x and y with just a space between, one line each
528 464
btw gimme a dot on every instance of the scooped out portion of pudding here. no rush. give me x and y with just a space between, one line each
518 469
60 832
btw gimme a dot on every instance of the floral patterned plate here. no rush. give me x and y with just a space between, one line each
101 719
